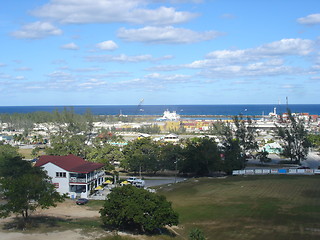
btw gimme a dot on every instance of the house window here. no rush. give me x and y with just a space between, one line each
61 174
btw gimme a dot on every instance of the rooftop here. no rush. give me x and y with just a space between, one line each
71 163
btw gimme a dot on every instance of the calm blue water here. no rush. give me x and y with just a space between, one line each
181 109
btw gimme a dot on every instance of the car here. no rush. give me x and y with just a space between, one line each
131 179
82 201
138 183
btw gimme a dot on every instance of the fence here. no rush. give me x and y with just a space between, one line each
274 171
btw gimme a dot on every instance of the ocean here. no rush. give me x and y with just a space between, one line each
224 110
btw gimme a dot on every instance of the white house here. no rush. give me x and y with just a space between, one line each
72 175
171 138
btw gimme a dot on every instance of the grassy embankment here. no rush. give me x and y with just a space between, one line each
261 207
237 208
243 208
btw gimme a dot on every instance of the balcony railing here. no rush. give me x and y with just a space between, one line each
77 180
83 179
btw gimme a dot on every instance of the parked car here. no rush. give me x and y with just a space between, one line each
82 201
138 183
131 179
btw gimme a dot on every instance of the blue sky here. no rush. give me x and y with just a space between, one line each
84 52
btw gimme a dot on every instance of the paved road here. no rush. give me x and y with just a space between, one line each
312 161
156 181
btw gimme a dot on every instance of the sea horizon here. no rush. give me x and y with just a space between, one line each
182 109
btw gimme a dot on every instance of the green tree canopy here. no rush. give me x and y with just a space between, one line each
25 188
136 208
201 156
106 154
142 155
295 142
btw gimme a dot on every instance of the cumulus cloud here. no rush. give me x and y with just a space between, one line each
37 30
165 35
252 69
109 11
107 45
265 60
70 46
311 19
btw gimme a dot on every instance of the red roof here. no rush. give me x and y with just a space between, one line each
71 163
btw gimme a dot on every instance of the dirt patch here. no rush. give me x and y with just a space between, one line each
66 210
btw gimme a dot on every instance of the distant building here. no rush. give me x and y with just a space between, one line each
72 175
169 116
273 148
171 138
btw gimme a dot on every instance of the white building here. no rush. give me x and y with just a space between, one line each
171 138
169 116
72 175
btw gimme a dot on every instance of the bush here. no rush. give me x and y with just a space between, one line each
129 207
196 234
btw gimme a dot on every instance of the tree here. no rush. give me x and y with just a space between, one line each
142 155
196 234
170 155
25 188
7 150
136 208
201 157
263 157
106 154
314 140
67 144
245 133
236 142
295 139
73 133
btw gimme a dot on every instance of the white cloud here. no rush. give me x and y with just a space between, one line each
107 45
59 75
256 69
92 83
37 30
283 47
70 46
228 16
120 58
174 78
153 81
10 77
19 77
23 69
109 11
165 35
311 19
266 60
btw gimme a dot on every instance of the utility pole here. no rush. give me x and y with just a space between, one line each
175 175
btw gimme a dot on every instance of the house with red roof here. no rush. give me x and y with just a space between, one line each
72 175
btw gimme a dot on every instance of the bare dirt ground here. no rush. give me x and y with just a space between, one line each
65 210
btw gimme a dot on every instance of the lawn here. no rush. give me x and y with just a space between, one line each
252 207
232 208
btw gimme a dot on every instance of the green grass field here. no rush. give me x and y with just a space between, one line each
252 207
233 208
